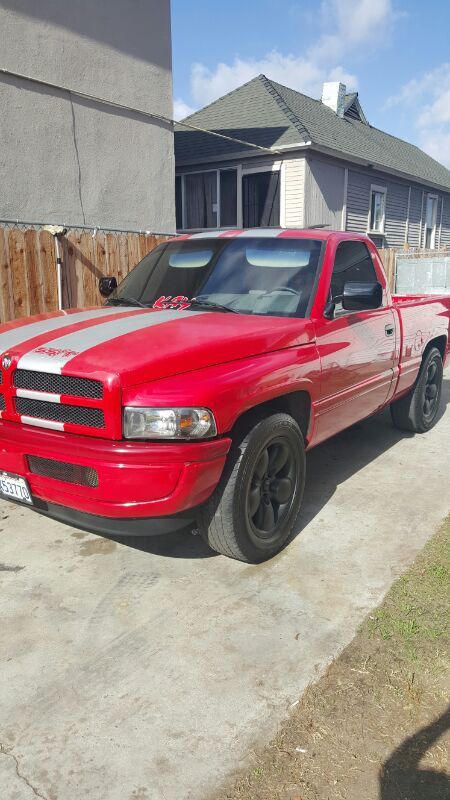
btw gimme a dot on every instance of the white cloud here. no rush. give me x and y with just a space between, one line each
437 144
181 109
346 27
427 100
364 20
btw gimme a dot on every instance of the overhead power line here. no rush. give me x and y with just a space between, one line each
141 112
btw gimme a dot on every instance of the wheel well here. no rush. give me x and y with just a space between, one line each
296 404
440 342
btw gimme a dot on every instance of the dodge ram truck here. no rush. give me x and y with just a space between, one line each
192 395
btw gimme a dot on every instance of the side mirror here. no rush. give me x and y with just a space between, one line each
360 296
106 286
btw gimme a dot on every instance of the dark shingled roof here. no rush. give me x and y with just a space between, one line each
266 113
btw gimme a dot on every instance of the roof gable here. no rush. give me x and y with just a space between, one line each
271 115
353 109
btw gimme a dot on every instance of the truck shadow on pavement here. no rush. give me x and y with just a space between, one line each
401 775
328 465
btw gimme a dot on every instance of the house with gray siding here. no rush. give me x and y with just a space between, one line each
317 162
79 84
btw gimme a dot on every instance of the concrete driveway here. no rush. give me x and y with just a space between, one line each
146 670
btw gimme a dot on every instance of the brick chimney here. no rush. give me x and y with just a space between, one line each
333 96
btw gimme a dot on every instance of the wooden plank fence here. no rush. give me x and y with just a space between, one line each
388 259
28 273
28 277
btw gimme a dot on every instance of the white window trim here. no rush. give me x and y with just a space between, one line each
275 167
217 170
434 228
382 190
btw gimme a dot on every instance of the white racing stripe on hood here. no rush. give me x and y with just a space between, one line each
54 355
24 332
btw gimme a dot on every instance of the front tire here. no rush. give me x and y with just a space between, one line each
418 410
251 513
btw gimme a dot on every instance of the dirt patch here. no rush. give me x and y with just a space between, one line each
97 547
376 726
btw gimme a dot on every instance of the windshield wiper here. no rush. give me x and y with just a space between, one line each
126 301
211 304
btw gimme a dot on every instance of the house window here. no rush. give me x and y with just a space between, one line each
261 199
201 200
377 208
429 238
178 202
206 199
228 198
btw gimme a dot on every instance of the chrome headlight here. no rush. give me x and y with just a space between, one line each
168 423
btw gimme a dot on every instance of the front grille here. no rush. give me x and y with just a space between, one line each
57 384
2 403
77 415
62 471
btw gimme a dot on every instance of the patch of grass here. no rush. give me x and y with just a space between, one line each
416 608
389 688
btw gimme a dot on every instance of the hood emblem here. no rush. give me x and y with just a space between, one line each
6 361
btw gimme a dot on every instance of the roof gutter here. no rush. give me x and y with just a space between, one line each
378 167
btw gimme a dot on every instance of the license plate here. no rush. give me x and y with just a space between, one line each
15 487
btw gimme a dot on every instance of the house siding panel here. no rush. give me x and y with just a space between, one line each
294 183
415 215
324 193
358 199
396 213
445 232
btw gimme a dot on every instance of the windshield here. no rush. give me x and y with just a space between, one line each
249 275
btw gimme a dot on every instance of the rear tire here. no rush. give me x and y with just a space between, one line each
251 513
418 410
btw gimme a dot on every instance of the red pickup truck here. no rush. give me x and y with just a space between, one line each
191 397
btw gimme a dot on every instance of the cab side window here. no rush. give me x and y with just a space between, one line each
352 262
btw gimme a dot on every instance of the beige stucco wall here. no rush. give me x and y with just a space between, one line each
68 159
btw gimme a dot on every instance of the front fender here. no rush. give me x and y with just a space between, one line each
235 387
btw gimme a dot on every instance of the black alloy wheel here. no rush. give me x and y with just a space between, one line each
272 488
418 410
431 391
252 512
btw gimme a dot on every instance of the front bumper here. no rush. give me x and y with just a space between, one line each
136 480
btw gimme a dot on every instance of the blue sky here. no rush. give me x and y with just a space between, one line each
396 53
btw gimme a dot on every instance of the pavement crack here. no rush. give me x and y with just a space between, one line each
9 754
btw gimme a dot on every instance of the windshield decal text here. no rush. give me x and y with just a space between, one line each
179 302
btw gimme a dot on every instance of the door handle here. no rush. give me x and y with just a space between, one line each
389 329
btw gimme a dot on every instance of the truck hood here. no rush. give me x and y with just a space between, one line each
140 345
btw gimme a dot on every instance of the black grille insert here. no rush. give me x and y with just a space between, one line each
62 471
77 415
2 403
58 384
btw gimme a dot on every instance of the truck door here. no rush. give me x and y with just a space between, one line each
357 348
